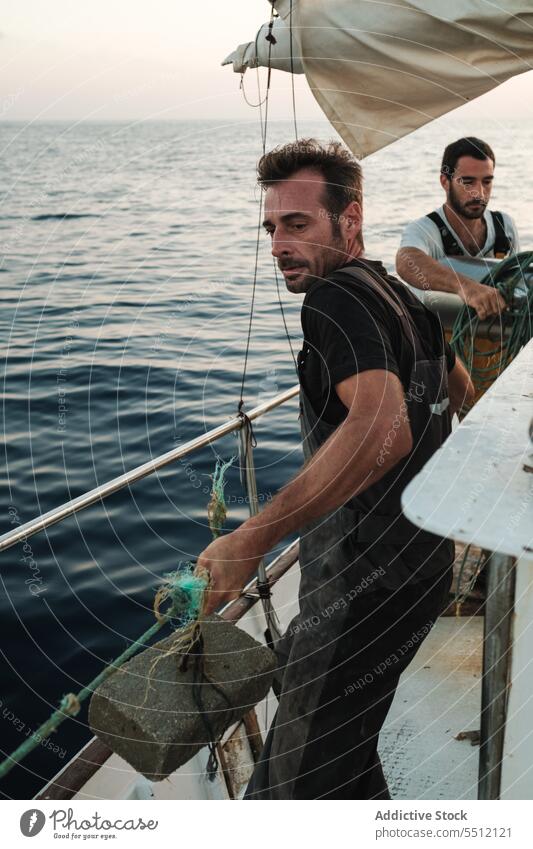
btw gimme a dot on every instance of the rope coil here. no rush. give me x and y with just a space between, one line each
486 363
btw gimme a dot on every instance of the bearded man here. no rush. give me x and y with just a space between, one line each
463 226
378 386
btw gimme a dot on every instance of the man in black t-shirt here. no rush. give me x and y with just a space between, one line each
377 390
351 329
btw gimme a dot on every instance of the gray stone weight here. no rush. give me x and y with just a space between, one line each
146 713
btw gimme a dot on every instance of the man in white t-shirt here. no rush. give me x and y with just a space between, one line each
463 226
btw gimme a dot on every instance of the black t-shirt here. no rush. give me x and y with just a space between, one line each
349 328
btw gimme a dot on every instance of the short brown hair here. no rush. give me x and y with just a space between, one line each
467 146
341 171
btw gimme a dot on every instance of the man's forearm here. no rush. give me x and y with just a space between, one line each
424 272
359 452
355 456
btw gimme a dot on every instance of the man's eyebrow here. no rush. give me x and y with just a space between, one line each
471 177
287 217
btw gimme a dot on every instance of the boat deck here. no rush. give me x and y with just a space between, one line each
438 697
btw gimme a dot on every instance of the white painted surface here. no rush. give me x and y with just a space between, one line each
517 766
475 488
439 695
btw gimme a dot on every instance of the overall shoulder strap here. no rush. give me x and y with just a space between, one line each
385 290
449 242
502 243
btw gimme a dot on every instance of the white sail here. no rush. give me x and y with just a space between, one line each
260 51
380 70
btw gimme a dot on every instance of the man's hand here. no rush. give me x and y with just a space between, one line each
231 564
426 273
484 299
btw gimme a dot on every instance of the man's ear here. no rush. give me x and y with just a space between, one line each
444 181
352 216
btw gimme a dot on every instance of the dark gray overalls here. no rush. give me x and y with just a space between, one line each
372 585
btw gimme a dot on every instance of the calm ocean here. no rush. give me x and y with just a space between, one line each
127 255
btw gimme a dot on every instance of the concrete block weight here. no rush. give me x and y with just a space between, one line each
146 711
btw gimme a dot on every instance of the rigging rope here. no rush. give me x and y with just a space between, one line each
282 310
247 441
185 589
259 222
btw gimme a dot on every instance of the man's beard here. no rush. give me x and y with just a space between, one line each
300 283
333 257
466 210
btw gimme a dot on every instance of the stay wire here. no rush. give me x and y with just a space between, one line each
271 40
249 437
282 310
264 125
292 74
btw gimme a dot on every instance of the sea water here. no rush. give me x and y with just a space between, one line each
127 260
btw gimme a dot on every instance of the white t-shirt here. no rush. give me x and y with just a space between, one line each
425 235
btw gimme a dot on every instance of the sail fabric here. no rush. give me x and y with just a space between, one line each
381 69
260 51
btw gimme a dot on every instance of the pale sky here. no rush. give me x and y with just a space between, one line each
127 60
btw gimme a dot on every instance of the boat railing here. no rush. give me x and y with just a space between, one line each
237 423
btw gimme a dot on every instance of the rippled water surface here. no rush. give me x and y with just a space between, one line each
125 285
